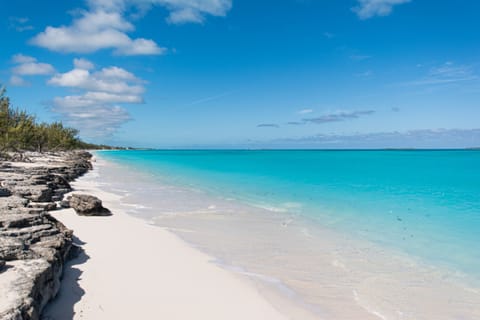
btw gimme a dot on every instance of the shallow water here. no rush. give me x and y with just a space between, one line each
323 234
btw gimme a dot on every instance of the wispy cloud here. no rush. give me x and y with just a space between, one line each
329 35
305 111
364 74
338 116
18 81
268 125
20 24
105 26
367 9
447 73
428 138
96 110
211 98
359 57
28 66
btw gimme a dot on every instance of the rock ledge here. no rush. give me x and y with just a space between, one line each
34 245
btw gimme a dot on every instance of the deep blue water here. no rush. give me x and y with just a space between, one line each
424 203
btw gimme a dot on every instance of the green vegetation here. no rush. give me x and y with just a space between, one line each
19 131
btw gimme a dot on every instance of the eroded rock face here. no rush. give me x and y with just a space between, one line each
87 205
34 245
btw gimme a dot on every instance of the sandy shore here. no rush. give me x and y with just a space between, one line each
130 269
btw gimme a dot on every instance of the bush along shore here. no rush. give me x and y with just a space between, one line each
19 131
34 246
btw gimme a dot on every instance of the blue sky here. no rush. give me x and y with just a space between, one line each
244 73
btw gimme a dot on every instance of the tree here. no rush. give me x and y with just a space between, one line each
20 131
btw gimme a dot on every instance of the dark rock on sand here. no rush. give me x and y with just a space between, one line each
5 192
64 204
87 205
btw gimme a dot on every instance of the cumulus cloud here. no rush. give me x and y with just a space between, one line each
84 64
28 66
105 26
367 9
97 110
339 116
94 31
21 58
33 68
111 79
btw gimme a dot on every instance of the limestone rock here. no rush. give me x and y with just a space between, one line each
47 206
34 245
87 205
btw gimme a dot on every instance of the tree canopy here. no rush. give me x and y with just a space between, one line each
19 131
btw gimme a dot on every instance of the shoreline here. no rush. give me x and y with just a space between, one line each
223 260
138 270
325 274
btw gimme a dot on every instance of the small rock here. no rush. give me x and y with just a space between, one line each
2 264
56 198
5 192
87 205
64 204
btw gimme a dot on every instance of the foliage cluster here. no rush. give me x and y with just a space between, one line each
19 131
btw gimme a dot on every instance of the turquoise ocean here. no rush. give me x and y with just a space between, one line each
425 204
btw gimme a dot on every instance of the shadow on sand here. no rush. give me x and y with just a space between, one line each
70 291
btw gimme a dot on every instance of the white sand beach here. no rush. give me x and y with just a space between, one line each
133 270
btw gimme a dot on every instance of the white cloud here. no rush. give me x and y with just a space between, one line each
28 66
33 68
95 31
112 79
181 11
370 8
447 73
140 47
95 110
305 111
20 58
18 81
20 24
184 16
104 26
84 64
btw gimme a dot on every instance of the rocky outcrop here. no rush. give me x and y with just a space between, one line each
87 205
34 245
